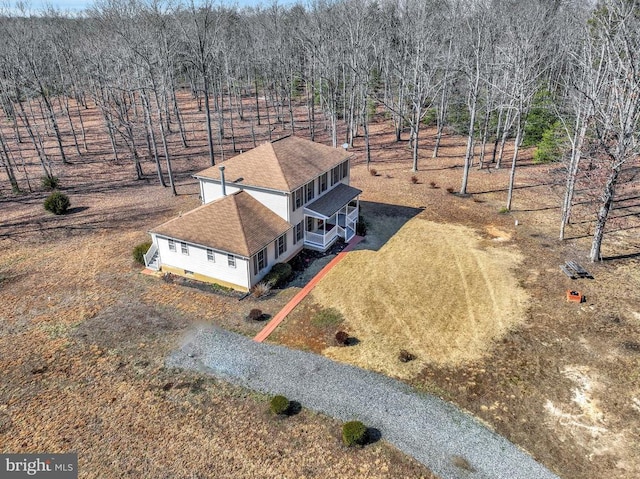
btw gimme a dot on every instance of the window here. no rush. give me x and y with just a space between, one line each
344 169
339 172
297 234
335 175
210 256
184 248
309 223
281 245
231 261
309 191
259 261
172 245
297 199
322 182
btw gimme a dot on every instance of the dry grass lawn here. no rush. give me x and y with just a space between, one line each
440 291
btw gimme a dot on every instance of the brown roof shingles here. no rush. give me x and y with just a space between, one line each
282 165
237 224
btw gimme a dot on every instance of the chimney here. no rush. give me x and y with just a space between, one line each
224 185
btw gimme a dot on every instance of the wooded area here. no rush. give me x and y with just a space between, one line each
557 74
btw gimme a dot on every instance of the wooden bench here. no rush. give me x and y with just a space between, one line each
580 271
574 271
564 269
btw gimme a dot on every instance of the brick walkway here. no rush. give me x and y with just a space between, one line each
278 318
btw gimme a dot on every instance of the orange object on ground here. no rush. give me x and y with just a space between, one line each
575 296
277 319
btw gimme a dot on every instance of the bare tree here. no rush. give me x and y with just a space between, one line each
614 30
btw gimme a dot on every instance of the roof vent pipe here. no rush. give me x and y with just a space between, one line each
224 185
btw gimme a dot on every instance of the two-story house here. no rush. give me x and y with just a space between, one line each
260 208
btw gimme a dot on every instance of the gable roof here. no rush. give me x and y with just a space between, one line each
237 224
284 165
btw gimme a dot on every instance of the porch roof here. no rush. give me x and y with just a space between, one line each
328 204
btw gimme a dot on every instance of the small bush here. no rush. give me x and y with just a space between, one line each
57 203
140 250
260 289
297 263
450 190
342 338
405 356
255 315
278 275
414 179
50 182
373 172
354 433
361 227
504 210
279 405
432 184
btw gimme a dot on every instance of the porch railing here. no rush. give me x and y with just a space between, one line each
352 213
149 256
321 240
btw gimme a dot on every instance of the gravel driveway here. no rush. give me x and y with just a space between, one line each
427 428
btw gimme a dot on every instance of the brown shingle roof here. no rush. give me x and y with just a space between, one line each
282 165
237 224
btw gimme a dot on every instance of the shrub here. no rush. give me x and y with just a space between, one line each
450 190
354 433
405 356
361 226
342 338
432 184
140 250
414 179
279 405
278 275
260 289
504 210
255 315
373 172
50 182
297 262
58 203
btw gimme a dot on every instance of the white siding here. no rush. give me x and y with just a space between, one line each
275 201
292 250
212 191
197 262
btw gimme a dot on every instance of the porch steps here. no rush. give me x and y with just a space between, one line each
153 264
278 318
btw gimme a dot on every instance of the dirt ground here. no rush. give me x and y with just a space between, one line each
83 335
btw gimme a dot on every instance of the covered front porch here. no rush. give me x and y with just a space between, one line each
332 216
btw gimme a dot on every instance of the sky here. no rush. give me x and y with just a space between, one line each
76 5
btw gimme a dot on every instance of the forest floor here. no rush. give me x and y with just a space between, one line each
83 335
